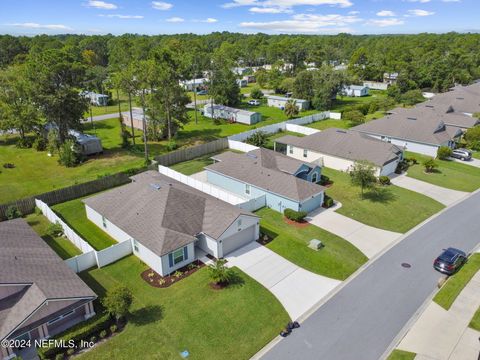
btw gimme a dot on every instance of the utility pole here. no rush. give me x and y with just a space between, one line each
91 120
144 126
210 93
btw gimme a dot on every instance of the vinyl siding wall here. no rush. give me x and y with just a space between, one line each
425 149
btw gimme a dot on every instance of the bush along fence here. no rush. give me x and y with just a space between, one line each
27 205
90 257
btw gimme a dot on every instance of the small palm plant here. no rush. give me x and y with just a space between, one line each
220 273
291 109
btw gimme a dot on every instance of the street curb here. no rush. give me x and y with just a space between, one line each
339 287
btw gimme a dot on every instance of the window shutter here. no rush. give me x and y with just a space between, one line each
185 253
170 259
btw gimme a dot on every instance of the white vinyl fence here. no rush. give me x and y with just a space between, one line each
90 257
249 204
301 129
241 146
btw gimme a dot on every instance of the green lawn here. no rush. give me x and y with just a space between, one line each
61 245
347 103
401 355
329 123
475 323
449 174
389 208
337 260
455 284
476 154
194 166
74 214
233 323
273 137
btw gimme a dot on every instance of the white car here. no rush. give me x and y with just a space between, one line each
254 102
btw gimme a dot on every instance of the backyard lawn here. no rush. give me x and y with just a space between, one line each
74 214
455 284
337 260
61 245
449 174
347 103
388 208
233 323
194 166
401 355
329 123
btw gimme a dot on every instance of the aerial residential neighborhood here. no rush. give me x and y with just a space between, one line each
240 180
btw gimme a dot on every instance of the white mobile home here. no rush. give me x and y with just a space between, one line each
232 114
280 102
354 90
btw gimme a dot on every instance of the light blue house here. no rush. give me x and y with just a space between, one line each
285 182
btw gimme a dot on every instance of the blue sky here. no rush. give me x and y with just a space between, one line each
30 17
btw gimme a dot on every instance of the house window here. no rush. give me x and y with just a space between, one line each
305 152
314 177
58 318
290 149
247 189
104 221
135 245
178 256
239 222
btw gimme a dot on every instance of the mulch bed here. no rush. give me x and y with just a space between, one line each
156 280
218 286
264 239
301 224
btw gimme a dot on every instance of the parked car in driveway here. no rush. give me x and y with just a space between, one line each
450 261
462 154
254 102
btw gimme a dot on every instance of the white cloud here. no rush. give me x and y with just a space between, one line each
385 13
270 10
101 5
307 23
31 25
160 5
283 6
119 16
209 20
419 12
385 22
175 19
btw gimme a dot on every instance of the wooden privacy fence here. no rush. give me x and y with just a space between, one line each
193 152
27 205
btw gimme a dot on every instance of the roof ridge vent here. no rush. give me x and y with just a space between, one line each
341 131
411 118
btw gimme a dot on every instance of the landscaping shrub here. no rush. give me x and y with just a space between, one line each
429 165
217 121
356 117
256 93
384 180
53 142
38 211
324 180
444 152
327 201
293 215
60 356
40 144
93 339
55 230
103 334
402 166
24 143
172 145
134 171
82 331
9 166
113 329
258 138
70 352
68 155
13 212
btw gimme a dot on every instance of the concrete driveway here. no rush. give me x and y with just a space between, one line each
369 240
442 195
472 162
297 289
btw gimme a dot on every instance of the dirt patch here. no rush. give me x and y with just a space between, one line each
301 224
218 286
156 280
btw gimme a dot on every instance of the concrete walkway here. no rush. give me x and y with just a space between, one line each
297 289
444 335
369 240
442 195
472 162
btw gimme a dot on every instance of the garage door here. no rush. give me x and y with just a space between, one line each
238 240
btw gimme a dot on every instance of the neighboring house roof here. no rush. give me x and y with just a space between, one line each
35 274
208 107
268 170
418 125
282 98
164 214
346 144
461 99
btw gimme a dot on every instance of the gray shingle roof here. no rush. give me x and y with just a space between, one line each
424 125
461 99
268 170
164 214
346 144
27 260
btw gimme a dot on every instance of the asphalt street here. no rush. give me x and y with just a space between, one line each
365 316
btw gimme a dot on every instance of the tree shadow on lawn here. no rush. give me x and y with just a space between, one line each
146 315
236 280
380 195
